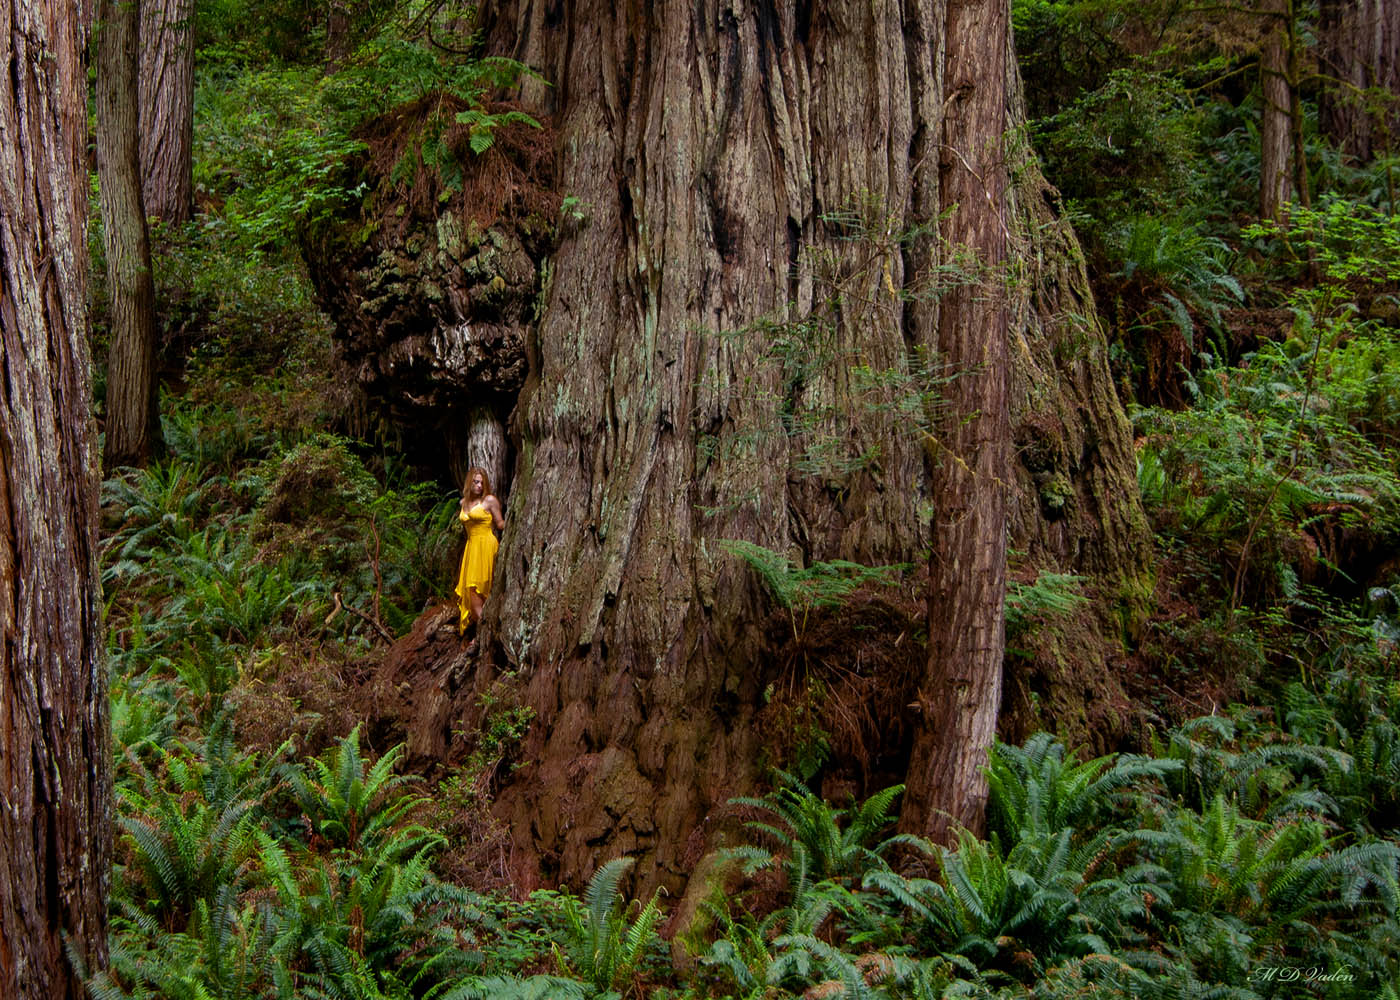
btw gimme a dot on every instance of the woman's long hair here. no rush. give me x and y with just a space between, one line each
485 481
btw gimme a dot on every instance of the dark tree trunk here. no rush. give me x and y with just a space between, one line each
971 469
1276 170
1359 58
1295 110
54 772
339 42
749 174
132 424
167 108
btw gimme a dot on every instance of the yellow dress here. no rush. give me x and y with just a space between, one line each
478 558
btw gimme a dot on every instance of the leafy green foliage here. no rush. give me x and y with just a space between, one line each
1050 595
1256 777
216 904
1103 879
192 825
1176 273
1034 791
354 807
1350 242
1355 717
1267 457
1124 148
536 987
277 143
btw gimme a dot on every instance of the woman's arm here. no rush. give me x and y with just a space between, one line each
497 518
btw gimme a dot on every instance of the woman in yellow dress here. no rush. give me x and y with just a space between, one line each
480 512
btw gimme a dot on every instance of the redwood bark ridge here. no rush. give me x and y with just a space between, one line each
961 693
54 776
1359 59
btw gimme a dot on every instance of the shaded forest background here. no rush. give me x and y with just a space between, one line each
318 790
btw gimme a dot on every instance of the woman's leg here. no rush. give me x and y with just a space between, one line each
478 602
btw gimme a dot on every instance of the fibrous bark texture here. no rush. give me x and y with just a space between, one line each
54 826
132 424
760 186
971 450
167 108
1359 59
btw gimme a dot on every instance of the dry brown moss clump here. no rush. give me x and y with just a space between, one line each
420 161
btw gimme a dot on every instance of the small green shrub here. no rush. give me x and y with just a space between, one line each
1125 148
351 806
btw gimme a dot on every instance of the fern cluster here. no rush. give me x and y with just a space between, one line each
250 878
1180 874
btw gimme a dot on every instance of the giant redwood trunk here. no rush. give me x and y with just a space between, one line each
759 186
167 108
54 827
132 424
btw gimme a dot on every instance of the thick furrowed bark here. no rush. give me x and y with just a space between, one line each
167 108
1359 59
54 827
651 430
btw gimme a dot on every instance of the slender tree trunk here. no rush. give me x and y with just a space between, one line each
167 108
1276 170
1359 58
756 179
1301 186
54 770
961 693
132 425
